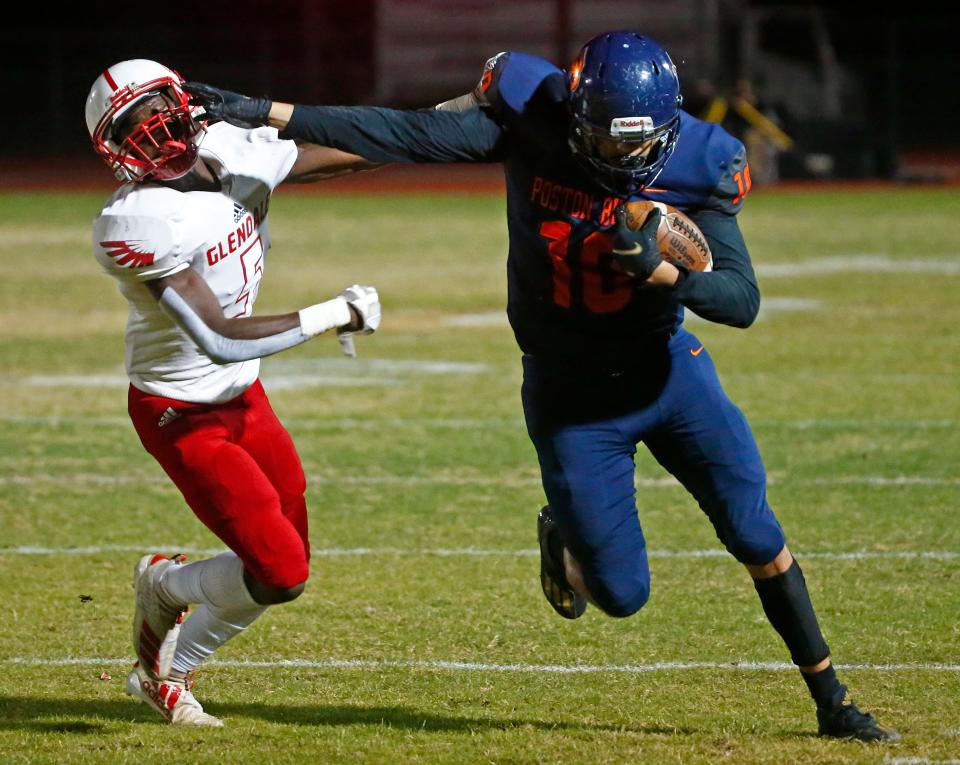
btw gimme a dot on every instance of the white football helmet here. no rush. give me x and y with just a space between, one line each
164 146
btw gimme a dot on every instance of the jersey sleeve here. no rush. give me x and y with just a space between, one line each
392 135
514 92
720 160
734 180
729 293
260 155
707 171
138 248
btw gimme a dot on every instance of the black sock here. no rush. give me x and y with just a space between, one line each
555 544
787 605
824 687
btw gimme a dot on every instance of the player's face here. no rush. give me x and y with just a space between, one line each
612 150
139 120
158 132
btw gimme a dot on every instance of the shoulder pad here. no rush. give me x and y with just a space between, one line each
708 169
137 247
487 90
510 81
258 154
734 182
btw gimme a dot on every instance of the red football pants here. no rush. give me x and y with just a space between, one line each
238 470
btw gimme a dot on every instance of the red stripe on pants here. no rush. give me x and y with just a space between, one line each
238 469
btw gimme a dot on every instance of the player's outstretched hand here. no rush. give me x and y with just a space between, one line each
637 252
365 304
234 108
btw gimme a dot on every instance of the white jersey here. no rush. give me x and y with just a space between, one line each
148 231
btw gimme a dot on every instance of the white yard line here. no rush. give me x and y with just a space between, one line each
291 375
375 423
371 366
769 306
476 320
274 381
474 552
466 666
866 264
665 482
877 480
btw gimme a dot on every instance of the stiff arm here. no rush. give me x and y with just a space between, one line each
389 135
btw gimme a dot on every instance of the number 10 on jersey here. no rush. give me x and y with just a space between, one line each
603 287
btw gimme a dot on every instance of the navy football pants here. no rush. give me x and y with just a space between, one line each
585 428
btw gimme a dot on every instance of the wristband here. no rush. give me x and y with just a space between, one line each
319 318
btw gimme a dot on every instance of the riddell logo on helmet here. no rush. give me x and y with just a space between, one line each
627 126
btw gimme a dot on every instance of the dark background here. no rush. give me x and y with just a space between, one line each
907 62
904 61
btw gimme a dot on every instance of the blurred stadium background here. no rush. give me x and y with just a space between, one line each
857 94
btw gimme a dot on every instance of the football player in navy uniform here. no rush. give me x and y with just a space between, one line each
598 314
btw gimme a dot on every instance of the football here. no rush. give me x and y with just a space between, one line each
681 240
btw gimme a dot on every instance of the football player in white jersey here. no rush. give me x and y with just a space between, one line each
185 237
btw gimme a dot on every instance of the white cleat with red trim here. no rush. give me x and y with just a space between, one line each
156 623
172 698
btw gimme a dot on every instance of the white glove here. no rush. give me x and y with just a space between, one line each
366 301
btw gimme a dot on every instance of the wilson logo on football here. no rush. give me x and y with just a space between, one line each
127 254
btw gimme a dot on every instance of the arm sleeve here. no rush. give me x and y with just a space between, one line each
391 135
728 294
222 349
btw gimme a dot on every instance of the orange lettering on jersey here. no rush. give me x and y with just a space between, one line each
566 200
608 213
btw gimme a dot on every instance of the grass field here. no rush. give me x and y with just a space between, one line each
423 636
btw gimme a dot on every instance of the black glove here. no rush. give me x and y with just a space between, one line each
237 109
637 252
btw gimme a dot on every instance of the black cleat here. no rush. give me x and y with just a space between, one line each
846 721
553 578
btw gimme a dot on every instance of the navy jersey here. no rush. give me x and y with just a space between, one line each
566 298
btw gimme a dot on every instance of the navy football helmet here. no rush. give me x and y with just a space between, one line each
624 93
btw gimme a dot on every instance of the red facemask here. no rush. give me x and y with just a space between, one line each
162 148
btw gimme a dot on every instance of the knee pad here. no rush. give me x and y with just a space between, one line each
620 601
757 543
280 572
